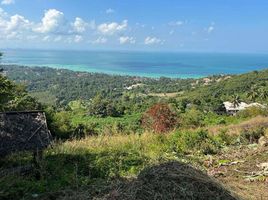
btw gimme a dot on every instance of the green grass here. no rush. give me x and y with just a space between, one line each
84 162
108 156
127 123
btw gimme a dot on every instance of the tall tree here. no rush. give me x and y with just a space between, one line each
263 93
236 100
253 94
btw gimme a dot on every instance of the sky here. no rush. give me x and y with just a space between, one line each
153 25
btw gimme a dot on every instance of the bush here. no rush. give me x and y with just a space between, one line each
225 139
188 141
250 136
159 118
60 124
192 118
252 112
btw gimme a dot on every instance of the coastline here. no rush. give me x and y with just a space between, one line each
85 69
150 64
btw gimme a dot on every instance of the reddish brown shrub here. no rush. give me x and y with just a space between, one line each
159 118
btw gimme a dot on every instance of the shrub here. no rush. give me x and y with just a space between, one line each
224 138
250 136
192 118
252 112
190 141
60 124
159 118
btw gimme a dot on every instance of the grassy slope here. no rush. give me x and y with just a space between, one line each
93 163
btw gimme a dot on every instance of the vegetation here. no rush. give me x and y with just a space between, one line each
15 97
106 133
159 118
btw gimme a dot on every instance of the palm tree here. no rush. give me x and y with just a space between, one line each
253 94
263 93
236 100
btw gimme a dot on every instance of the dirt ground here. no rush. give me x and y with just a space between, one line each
243 170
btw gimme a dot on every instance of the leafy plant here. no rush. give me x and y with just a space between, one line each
159 118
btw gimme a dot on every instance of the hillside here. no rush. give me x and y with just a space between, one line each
65 85
108 144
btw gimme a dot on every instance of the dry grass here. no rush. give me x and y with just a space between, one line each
236 129
172 180
171 94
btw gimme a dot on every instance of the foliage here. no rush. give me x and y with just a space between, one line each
101 107
253 111
159 118
251 135
192 118
190 141
15 97
235 100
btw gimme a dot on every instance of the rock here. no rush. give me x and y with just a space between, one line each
263 166
263 141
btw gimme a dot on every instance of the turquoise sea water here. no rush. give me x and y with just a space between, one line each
149 64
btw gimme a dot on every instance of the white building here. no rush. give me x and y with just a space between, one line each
232 110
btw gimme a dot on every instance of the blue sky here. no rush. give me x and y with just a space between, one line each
153 25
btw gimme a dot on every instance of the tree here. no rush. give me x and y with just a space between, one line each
6 92
236 100
253 93
101 107
263 93
15 97
1 54
159 118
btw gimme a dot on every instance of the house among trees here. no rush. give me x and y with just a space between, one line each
23 131
232 108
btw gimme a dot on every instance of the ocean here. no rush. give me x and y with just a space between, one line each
148 64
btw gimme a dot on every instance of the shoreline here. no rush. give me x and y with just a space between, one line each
138 64
112 73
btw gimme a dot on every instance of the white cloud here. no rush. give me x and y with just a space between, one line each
78 38
79 25
100 40
176 23
52 22
110 11
46 38
13 27
125 40
210 29
7 2
2 13
12 35
112 28
53 27
17 22
152 40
